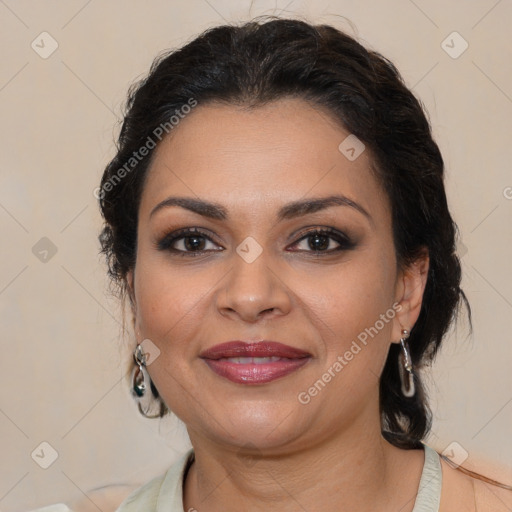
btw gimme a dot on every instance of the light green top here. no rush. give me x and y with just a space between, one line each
165 492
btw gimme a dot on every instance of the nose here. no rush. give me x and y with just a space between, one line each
253 291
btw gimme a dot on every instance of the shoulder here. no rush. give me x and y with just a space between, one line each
145 496
126 498
467 493
107 499
492 498
164 488
120 498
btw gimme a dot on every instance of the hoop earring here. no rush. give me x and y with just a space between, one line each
140 378
405 365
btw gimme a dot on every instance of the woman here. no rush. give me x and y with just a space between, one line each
276 215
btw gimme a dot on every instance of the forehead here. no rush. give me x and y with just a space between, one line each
261 157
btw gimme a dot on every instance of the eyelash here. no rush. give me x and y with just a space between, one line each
165 244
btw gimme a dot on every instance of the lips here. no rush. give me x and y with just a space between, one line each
254 363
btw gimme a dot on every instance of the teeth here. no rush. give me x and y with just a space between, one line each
252 360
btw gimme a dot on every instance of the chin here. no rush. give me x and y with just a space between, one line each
263 426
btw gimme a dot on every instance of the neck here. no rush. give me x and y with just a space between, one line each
357 469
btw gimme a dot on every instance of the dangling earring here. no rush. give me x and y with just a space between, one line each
405 365
140 378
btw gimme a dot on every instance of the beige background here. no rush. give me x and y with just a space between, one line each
62 361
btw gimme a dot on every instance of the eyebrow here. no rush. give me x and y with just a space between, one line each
288 211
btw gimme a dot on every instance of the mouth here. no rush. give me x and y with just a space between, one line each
254 363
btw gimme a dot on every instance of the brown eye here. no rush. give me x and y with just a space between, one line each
187 241
193 243
323 241
319 242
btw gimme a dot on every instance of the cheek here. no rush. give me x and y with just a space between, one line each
355 338
170 309
165 297
351 297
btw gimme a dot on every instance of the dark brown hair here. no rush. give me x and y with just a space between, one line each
265 60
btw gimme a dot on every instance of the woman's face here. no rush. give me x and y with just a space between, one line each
265 263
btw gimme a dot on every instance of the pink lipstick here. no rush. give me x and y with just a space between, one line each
254 363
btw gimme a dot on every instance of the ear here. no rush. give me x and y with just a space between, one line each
130 283
410 287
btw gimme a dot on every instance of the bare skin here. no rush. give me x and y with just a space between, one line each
258 447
